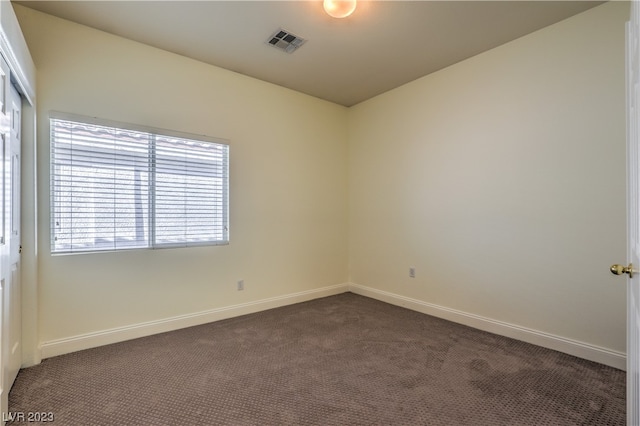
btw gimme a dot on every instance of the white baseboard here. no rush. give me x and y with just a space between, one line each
572 347
120 334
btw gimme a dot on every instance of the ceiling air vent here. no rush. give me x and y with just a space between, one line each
286 41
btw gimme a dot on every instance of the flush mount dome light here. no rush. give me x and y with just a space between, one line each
339 8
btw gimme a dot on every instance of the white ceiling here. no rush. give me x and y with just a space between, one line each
383 45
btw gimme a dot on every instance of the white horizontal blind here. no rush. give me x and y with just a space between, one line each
190 191
114 188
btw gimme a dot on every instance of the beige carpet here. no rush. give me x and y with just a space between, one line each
341 360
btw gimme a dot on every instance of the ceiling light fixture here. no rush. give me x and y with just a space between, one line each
339 8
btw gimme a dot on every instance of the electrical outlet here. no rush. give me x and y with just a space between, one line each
240 285
412 272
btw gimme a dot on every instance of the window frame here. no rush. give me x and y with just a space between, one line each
151 211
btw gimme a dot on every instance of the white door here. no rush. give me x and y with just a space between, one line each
633 217
10 290
13 300
5 204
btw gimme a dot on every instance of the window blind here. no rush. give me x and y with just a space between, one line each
114 188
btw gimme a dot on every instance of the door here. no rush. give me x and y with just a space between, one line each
13 300
10 300
10 290
633 216
4 232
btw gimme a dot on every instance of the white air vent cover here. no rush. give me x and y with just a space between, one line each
284 40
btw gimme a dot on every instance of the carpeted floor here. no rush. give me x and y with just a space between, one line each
341 360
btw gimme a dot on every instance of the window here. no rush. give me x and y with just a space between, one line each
119 187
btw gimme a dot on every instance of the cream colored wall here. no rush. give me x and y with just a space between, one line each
501 179
288 213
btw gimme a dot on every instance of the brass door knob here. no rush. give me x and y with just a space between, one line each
620 269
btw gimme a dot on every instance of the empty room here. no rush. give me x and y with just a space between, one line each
308 212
